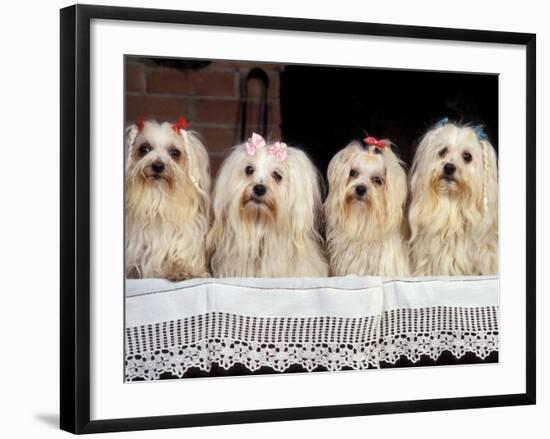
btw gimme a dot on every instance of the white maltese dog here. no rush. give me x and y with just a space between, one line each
167 201
453 214
364 211
266 205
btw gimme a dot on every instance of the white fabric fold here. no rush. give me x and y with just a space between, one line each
151 301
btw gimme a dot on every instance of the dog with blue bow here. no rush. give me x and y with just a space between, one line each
453 212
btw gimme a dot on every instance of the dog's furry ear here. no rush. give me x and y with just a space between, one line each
425 147
396 185
306 197
337 166
220 208
130 134
199 164
490 175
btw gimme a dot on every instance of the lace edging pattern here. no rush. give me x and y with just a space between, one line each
334 343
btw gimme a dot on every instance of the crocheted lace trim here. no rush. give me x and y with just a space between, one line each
334 343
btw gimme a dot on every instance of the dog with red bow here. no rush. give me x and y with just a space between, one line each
364 211
266 207
167 201
453 214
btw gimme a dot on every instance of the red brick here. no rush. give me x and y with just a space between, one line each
187 82
266 67
215 163
217 111
255 89
155 107
222 66
273 132
254 116
274 89
218 139
255 129
246 66
207 83
170 81
274 113
135 77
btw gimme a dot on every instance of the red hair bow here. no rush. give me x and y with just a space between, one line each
140 122
369 140
181 124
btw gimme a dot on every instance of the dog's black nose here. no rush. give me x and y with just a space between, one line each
259 190
360 190
157 167
449 169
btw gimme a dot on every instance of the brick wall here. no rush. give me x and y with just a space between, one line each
208 96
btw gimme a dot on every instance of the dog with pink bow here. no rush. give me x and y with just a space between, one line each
266 206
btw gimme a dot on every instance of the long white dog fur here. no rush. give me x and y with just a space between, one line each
454 203
266 214
167 212
364 212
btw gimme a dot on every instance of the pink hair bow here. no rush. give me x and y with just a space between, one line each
278 149
254 143
369 140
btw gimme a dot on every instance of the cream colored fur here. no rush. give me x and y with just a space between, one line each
278 237
166 218
364 235
452 232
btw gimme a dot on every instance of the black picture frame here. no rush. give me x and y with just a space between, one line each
75 217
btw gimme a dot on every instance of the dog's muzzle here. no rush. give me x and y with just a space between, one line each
259 190
360 191
158 168
449 169
257 194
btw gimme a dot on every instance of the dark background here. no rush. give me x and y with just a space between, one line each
323 108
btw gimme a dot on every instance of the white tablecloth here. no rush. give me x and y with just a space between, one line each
344 322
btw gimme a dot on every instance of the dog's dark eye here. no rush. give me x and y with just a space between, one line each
277 177
353 173
175 153
467 157
442 152
377 181
249 170
144 149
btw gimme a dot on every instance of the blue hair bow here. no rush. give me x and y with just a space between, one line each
480 133
442 122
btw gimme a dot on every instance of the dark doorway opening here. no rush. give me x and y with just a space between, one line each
324 108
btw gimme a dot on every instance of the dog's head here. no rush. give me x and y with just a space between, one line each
367 184
166 157
268 184
455 162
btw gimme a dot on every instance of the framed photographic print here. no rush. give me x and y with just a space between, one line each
268 218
